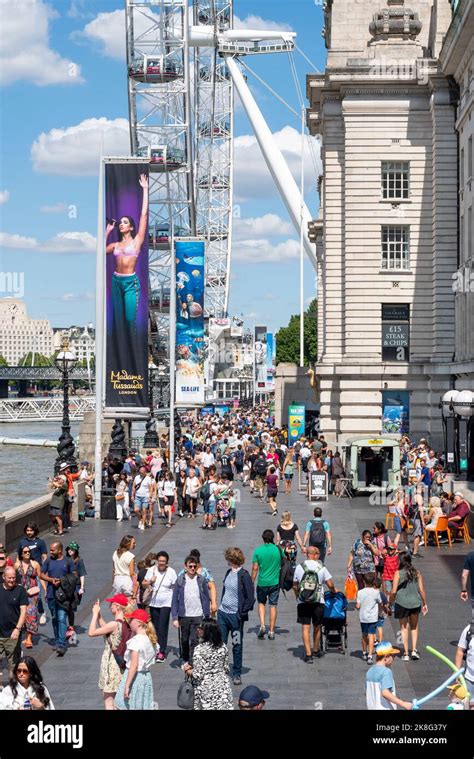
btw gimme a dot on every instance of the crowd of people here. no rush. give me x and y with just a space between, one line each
216 458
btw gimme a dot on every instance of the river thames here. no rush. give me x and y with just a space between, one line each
25 469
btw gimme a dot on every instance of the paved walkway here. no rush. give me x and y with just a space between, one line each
333 682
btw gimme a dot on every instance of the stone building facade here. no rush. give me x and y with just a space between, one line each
19 334
386 232
457 60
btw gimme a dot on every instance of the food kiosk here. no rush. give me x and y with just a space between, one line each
373 463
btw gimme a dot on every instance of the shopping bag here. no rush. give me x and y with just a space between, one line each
350 588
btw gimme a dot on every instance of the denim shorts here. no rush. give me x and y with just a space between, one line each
368 628
270 593
397 523
209 506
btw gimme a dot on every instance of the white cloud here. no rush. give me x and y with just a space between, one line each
17 241
269 225
63 243
25 54
264 251
71 297
57 208
252 178
75 150
257 22
107 30
4 197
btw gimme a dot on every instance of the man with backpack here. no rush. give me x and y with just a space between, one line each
319 535
308 585
260 468
59 594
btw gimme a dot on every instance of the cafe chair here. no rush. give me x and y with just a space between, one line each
441 526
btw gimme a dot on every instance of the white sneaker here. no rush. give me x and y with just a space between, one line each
42 619
421 543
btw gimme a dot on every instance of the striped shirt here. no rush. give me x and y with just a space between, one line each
230 599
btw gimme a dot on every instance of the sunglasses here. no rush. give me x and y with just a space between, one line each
192 566
22 669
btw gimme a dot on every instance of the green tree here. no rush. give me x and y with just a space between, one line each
3 361
288 338
39 360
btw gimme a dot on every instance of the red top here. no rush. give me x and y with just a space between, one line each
390 567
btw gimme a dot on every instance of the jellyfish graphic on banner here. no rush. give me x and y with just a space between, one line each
190 345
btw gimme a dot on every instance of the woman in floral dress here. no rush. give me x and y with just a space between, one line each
110 674
29 572
210 670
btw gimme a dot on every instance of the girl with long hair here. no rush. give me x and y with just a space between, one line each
29 573
110 674
123 561
409 596
26 684
135 692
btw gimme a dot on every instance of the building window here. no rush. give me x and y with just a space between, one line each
396 332
461 169
395 180
395 247
469 234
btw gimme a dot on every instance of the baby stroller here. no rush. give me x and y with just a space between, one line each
334 628
222 512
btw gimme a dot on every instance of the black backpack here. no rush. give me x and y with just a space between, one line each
287 574
261 467
65 593
317 536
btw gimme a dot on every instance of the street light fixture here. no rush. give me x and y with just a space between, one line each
459 405
151 436
65 361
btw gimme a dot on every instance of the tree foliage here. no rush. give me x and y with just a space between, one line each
288 338
39 360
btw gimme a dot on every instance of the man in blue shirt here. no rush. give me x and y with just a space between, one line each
52 571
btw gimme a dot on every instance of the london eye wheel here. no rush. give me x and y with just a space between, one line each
180 109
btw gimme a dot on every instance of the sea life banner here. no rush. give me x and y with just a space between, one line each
190 343
126 245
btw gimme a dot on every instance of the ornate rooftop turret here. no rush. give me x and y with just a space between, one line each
396 21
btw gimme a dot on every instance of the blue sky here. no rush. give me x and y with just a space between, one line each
59 72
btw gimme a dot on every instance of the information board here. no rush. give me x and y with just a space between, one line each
318 485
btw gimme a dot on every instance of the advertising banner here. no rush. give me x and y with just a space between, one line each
261 358
126 240
190 342
296 423
270 362
395 412
318 485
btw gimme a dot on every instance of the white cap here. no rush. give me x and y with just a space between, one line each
458 492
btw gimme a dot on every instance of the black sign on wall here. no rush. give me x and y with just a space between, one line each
396 332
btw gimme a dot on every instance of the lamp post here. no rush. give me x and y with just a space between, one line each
151 437
458 405
64 362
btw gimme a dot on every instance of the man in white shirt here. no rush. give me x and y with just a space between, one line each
311 605
162 579
143 494
191 602
208 458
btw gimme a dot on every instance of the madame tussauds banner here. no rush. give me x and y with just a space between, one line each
190 345
126 240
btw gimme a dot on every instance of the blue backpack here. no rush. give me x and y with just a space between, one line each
335 605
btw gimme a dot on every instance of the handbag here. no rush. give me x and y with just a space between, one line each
148 592
350 588
185 696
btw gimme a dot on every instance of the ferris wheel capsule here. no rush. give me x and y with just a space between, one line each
159 236
163 157
214 129
154 69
